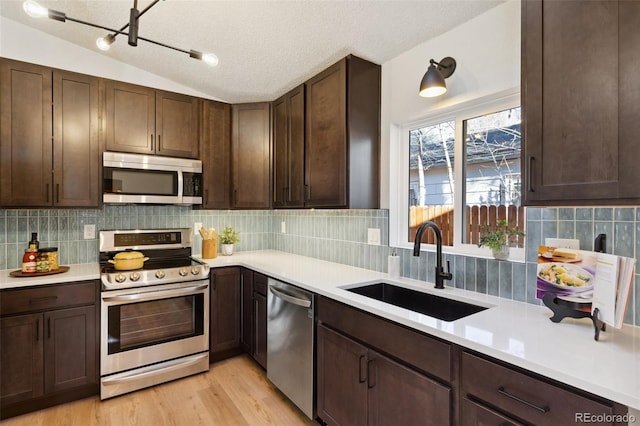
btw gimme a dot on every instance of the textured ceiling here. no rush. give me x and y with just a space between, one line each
265 47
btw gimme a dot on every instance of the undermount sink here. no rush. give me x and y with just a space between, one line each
417 301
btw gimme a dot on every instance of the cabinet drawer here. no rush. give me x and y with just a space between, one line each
474 414
525 397
423 352
48 297
260 283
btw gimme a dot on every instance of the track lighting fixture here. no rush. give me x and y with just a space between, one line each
432 83
35 10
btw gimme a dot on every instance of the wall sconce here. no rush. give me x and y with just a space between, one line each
432 83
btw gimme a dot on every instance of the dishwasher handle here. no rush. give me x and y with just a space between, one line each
290 298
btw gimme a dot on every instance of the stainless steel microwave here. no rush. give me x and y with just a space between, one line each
150 179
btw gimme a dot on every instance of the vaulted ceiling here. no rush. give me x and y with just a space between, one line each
265 47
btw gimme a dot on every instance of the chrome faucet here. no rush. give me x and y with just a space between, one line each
440 274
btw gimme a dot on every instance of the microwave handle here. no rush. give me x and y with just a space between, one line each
180 184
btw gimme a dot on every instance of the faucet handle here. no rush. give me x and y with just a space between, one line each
448 275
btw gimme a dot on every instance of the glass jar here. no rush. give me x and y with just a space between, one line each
29 261
47 259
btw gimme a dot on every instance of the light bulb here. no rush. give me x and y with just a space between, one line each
104 43
432 92
210 59
34 10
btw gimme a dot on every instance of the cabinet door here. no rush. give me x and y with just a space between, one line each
76 148
399 395
251 151
176 125
225 310
280 152
25 135
288 149
246 336
260 329
130 118
326 152
215 153
296 147
70 348
21 358
341 382
580 102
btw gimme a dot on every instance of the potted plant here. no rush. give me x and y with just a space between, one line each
228 238
499 239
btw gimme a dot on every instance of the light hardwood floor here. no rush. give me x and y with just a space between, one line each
234 392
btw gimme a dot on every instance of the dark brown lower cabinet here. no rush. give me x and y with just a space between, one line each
359 386
505 395
224 329
260 327
254 315
50 355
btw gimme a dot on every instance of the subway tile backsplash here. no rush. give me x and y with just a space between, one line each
334 235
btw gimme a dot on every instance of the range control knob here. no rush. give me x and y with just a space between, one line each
195 270
134 276
120 278
159 274
182 272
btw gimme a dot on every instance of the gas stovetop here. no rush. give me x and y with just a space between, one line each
169 253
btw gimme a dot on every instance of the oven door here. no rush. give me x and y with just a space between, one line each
146 325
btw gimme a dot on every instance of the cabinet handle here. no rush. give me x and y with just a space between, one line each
543 409
307 192
235 197
206 197
37 329
57 193
361 379
152 143
48 328
370 374
213 281
159 143
531 159
46 190
284 194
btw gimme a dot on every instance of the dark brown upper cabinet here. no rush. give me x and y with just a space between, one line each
148 121
342 147
49 147
215 153
288 149
580 102
251 156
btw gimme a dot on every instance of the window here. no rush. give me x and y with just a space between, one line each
492 173
431 180
460 169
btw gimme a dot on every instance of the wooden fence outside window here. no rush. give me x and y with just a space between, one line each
475 217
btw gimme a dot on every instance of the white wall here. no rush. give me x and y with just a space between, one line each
487 52
23 43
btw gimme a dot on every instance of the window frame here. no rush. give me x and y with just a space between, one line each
399 172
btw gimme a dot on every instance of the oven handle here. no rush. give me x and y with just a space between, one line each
153 295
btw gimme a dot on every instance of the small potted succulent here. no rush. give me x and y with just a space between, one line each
228 238
499 239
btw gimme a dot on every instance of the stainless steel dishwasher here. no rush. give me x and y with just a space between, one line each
290 337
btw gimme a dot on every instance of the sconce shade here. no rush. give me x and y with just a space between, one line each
433 83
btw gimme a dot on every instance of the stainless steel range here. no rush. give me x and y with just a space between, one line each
154 320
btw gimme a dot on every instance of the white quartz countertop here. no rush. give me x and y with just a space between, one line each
517 333
79 272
